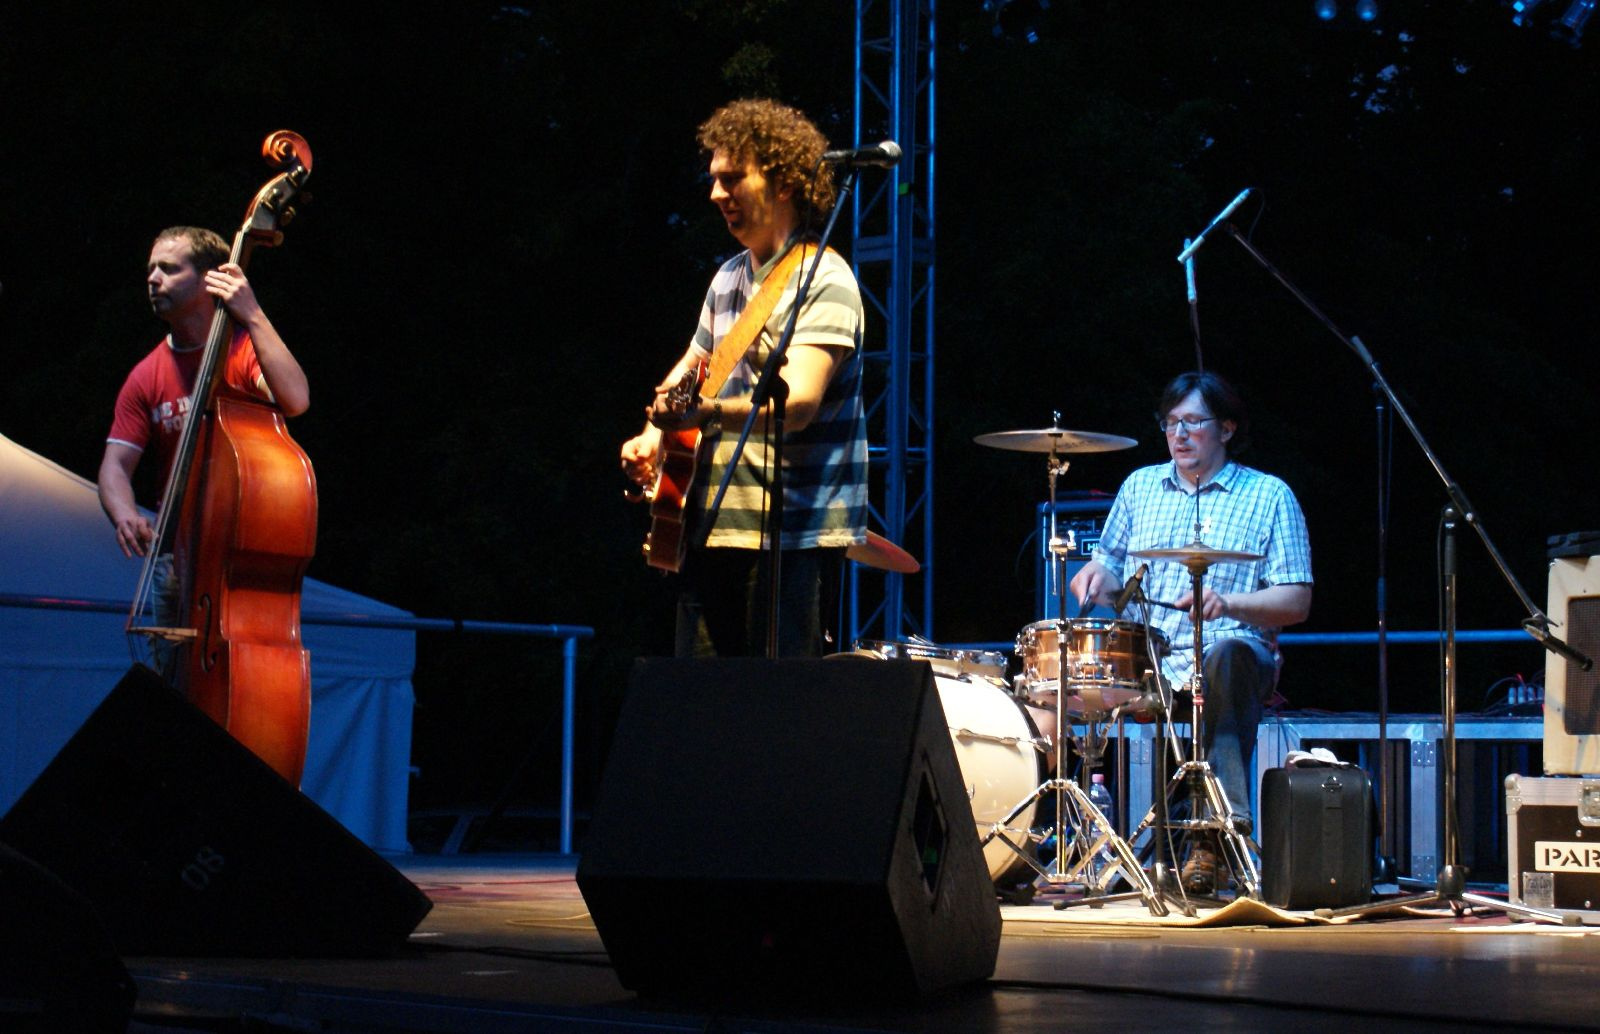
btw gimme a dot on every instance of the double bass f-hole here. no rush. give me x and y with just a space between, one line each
204 609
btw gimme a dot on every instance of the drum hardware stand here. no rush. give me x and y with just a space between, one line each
1451 879
1197 771
1152 888
1095 831
1158 701
1209 807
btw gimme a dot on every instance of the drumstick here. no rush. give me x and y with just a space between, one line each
1169 606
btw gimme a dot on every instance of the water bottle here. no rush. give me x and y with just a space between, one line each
1100 797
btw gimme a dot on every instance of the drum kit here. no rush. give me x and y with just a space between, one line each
1087 673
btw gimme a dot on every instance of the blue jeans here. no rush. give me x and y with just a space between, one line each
165 607
1240 674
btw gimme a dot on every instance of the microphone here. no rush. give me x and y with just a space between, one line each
1541 633
1128 590
1188 272
1194 246
885 156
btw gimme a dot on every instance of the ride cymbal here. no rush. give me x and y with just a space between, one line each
1055 439
1195 554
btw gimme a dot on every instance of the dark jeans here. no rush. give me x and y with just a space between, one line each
722 608
1240 674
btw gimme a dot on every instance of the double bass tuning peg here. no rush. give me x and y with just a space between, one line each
290 210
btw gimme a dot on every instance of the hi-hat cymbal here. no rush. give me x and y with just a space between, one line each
879 552
1055 439
1195 554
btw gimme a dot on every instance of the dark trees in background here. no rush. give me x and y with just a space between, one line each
509 236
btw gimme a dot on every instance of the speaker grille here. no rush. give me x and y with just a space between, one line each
1582 714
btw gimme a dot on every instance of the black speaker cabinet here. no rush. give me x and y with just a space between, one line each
1316 842
794 826
188 844
58 968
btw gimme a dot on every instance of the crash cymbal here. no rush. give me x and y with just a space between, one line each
1195 554
879 552
1055 439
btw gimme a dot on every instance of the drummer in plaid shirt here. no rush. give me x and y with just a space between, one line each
1245 603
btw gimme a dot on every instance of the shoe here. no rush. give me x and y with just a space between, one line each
1200 870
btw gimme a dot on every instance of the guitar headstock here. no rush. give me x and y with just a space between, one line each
683 394
273 205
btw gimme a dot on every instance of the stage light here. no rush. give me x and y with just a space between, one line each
1570 28
1521 9
1365 12
1018 19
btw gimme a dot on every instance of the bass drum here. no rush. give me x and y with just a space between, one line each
1002 760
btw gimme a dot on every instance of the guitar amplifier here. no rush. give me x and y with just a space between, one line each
1553 842
1079 516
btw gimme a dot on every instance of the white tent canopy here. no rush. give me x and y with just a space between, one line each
57 665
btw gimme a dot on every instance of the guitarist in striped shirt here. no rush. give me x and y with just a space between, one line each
773 192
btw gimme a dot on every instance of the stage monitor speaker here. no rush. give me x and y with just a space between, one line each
58 968
1572 696
188 844
787 827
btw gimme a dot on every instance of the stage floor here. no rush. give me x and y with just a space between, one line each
509 947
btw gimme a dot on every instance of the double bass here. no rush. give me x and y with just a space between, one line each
238 518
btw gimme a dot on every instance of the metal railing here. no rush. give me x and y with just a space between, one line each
568 634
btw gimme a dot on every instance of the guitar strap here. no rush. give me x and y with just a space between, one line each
727 353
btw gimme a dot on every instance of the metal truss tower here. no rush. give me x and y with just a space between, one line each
894 263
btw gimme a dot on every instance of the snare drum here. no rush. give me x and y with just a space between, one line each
943 660
1106 662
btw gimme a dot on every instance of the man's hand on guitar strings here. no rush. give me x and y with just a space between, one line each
671 415
639 456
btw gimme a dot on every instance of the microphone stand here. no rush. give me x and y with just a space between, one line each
1386 863
1450 883
1194 305
771 387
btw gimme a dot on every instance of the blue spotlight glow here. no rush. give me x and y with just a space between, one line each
1570 28
1327 10
1367 10
1520 9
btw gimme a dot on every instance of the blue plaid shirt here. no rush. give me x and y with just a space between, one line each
1240 509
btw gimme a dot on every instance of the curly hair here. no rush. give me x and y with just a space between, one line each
783 143
207 249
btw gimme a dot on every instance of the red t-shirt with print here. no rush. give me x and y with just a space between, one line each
154 400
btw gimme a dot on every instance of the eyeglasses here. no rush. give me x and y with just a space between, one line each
1188 423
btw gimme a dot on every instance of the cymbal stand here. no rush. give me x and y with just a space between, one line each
1209 807
1157 700
1074 861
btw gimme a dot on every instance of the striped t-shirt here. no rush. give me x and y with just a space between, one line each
825 465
